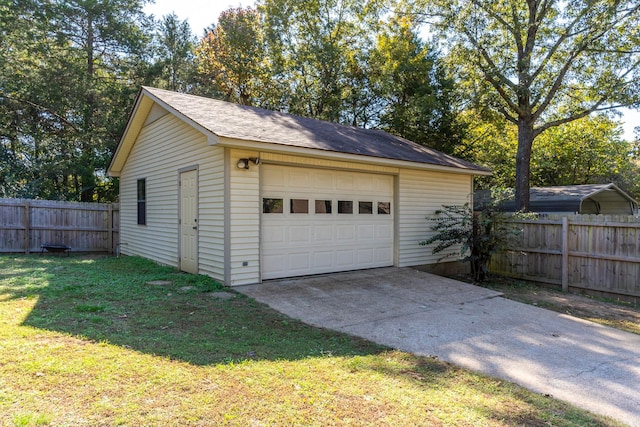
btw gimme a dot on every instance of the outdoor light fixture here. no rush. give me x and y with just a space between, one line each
244 163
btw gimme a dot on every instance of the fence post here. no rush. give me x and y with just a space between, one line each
565 254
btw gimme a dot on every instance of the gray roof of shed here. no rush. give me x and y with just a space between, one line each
225 119
559 198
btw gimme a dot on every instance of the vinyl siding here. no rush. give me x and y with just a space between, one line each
163 147
421 194
244 220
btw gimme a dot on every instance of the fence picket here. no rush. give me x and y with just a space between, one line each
597 253
85 227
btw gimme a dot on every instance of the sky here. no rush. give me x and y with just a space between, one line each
199 13
203 13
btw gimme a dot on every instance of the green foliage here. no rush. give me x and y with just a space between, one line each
70 71
542 64
174 63
230 59
586 151
416 98
317 50
67 81
473 237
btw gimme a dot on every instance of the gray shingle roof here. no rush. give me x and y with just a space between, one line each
563 198
230 120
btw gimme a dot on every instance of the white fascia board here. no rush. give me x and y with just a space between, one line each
332 155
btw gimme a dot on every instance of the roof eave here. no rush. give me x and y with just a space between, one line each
334 155
134 125
141 108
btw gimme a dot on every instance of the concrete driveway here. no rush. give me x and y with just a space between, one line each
591 366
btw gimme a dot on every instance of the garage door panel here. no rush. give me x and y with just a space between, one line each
366 232
323 233
299 262
366 256
274 234
364 183
323 260
384 255
323 181
345 182
275 178
299 234
384 231
321 240
344 258
346 232
273 265
299 178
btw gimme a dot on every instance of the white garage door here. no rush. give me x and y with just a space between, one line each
318 221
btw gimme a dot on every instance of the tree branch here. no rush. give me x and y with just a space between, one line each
41 108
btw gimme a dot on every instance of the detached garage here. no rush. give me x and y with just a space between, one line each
245 194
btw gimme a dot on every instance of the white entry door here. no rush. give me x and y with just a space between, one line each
319 221
189 221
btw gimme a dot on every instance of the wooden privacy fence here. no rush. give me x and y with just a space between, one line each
591 252
85 227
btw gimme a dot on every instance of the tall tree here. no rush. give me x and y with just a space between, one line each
415 95
175 44
544 63
585 151
67 82
231 57
317 49
104 37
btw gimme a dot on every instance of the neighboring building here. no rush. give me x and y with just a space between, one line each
606 199
245 194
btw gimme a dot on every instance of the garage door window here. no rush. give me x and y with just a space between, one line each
272 205
299 206
384 208
323 206
365 207
345 207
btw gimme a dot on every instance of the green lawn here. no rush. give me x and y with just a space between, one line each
85 341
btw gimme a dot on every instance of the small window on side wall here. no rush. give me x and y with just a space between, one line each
142 201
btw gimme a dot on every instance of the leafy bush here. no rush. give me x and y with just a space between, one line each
477 235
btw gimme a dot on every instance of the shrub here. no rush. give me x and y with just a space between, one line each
478 235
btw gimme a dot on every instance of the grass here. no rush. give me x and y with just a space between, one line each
606 311
87 342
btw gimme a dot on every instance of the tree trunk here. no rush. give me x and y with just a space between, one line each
523 162
87 173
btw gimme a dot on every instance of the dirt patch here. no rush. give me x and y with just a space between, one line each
619 315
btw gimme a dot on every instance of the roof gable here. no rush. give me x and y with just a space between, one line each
223 119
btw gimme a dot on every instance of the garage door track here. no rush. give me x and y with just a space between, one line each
589 365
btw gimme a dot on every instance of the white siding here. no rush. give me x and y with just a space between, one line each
163 147
420 194
166 145
244 220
